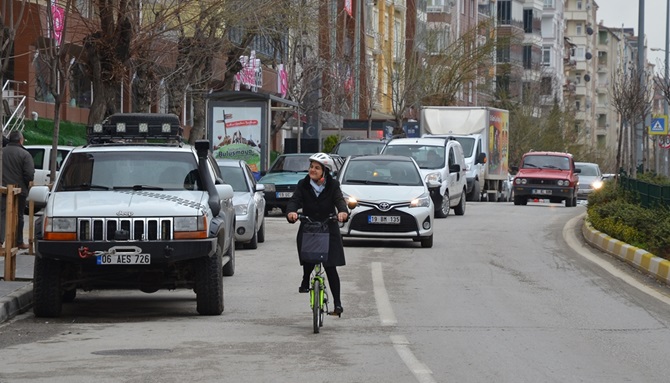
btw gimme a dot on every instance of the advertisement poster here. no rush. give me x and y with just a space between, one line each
236 134
498 142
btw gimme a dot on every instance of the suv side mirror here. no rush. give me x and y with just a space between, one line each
578 170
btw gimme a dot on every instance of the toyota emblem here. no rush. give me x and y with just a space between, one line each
384 206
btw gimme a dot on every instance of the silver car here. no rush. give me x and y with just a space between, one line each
249 202
393 199
590 179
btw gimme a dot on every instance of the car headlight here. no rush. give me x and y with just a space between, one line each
190 227
421 201
597 185
433 177
60 229
563 183
520 181
241 209
270 188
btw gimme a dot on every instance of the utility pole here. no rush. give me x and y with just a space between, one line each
638 148
664 152
357 59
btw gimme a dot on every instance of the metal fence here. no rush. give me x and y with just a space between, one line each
650 195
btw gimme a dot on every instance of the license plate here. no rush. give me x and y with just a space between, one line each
124 259
284 194
384 219
541 191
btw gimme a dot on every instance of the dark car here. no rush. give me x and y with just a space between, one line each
546 175
280 181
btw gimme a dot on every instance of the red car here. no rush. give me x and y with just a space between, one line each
546 175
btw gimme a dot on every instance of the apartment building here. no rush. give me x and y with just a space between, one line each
553 51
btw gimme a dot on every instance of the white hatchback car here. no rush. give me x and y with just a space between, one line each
249 202
393 199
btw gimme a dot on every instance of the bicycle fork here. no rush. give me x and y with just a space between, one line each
322 299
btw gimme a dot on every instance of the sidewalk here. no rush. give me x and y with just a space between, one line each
16 296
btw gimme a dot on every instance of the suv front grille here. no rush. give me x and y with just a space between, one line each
131 229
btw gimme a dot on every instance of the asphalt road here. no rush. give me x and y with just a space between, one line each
501 297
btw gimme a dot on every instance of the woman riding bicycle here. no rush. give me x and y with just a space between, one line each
319 195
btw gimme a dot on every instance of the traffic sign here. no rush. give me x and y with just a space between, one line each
664 141
659 125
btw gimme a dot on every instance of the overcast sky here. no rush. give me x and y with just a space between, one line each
615 13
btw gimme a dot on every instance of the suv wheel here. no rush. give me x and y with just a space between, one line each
443 210
261 232
209 285
253 243
47 292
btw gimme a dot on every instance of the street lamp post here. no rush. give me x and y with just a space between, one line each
664 152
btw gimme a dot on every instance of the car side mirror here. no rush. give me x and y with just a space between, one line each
260 187
578 170
455 168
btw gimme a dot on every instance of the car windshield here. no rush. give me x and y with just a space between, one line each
234 176
290 164
381 172
129 171
426 156
546 162
590 170
353 148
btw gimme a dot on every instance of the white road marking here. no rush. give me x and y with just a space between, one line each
421 372
570 238
384 309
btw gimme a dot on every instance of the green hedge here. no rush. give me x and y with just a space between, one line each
618 214
41 132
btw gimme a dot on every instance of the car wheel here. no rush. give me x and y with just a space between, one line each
460 209
427 242
209 285
568 202
476 193
443 210
47 292
69 295
253 243
229 267
261 232
520 200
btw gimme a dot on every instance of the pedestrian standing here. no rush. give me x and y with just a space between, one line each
18 169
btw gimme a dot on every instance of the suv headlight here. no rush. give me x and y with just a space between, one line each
242 209
60 229
597 185
434 177
421 201
190 227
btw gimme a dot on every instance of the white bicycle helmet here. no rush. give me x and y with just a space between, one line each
323 159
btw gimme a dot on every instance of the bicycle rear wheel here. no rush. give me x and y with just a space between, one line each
316 305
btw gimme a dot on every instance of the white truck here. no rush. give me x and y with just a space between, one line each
483 132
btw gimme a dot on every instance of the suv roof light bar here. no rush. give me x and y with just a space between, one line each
136 127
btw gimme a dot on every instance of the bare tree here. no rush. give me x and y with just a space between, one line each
631 97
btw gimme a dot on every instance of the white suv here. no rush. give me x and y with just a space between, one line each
443 167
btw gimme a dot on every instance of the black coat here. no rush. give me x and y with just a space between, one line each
18 167
318 209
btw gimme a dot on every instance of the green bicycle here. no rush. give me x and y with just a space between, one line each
318 248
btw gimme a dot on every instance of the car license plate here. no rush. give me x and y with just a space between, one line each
384 219
124 259
542 191
284 194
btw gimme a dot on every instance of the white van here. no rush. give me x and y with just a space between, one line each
441 162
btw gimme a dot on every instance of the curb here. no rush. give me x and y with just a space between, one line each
16 303
643 260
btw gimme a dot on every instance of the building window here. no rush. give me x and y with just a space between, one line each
463 7
503 55
42 80
527 56
578 29
80 87
578 105
545 86
505 12
528 20
546 56
549 3
579 5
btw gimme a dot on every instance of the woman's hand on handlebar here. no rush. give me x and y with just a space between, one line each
292 217
342 216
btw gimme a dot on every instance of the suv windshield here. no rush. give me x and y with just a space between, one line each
546 162
129 170
426 156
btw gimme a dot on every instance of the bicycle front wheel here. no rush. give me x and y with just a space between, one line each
316 305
